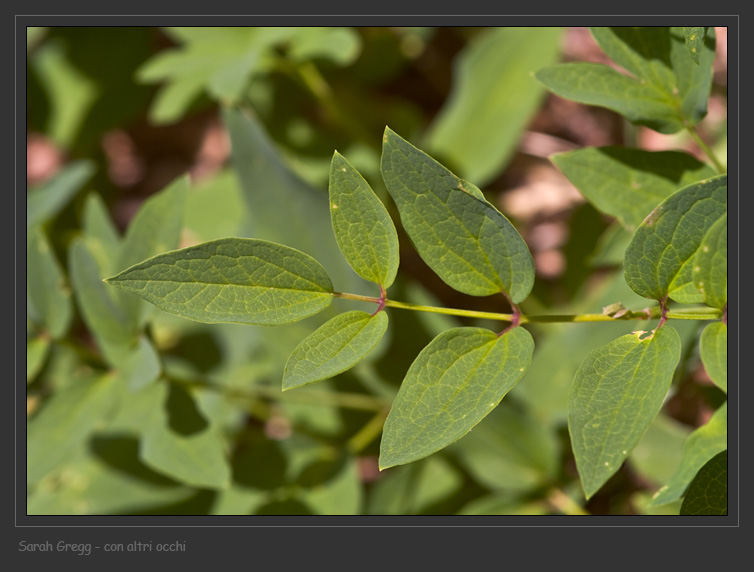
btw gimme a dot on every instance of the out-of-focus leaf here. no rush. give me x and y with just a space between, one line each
713 346
659 452
414 488
46 201
492 99
237 280
509 451
503 504
65 422
71 92
155 229
100 233
703 444
215 208
616 393
708 492
36 353
340 494
340 45
461 236
660 259
363 228
629 183
334 347
694 37
456 381
177 441
46 285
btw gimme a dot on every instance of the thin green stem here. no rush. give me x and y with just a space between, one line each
690 314
367 433
704 147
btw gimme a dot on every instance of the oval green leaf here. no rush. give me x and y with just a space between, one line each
713 347
708 492
461 236
334 347
363 228
616 393
452 385
629 183
660 258
710 269
694 37
237 280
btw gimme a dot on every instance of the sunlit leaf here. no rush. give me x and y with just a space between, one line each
461 236
660 258
245 281
334 347
363 228
456 381
616 393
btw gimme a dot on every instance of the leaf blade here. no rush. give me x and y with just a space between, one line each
363 228
334 347
710 267
47 286
45 202
708 492
616 393
461 236
660 257
452 385
703 444
629 183
713 347
245 281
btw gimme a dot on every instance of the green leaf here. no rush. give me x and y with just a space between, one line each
710 270
101 235
139 364
713 346
99 310
334 347
363 228
703 444
708 492
214 208
616 393
658 454
46 285
660 257
281 207
37 349
629 183
509 450
46 201
155 229
668 93
238 280
694 37
456 381
340 494
492 99
339 45
65 422
177 441
461 236
503 504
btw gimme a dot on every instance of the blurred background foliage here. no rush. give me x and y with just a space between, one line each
134 411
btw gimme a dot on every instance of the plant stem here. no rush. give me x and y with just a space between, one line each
367 433
704 147
691 314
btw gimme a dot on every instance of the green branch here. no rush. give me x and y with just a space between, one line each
648 314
